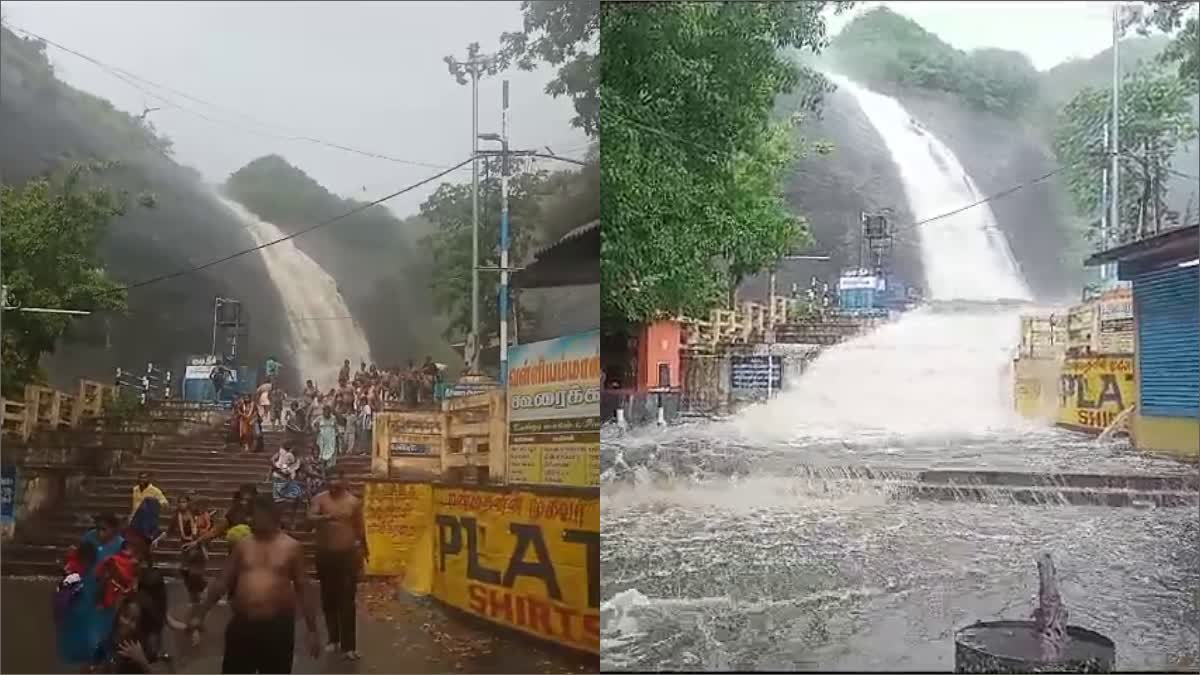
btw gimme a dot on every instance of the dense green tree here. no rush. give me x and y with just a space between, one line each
1155 118
562 34
51 229
1180 18
531 192
883 48
692 154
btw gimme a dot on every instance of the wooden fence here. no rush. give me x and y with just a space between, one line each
49 408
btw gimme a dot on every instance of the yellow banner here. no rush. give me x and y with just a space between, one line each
554 412
398 519
1094 390
523 560
559 464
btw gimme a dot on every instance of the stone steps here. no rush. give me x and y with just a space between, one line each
201 464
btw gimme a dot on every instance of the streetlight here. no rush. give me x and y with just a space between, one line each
475 66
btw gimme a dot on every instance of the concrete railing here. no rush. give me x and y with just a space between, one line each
48 408
466 438
749 322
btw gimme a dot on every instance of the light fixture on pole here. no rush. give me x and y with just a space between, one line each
476 66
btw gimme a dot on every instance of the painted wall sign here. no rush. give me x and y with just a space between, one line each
554 412
1094 390
523 560
749 373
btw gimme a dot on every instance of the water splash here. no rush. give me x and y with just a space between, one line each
308 292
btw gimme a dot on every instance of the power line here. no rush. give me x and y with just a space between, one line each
358 209
985 200
133 79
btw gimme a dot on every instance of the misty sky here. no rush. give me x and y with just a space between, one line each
1049 32
368 75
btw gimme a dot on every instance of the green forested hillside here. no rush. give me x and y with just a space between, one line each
47 126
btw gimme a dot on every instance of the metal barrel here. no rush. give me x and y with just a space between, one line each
1014 647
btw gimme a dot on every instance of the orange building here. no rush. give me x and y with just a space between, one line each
658 356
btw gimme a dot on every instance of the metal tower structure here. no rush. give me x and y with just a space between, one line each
229 328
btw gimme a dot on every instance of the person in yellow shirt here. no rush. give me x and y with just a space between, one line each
144 489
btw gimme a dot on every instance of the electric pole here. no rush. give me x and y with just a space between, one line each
504 169
1114 218
475 66
504 269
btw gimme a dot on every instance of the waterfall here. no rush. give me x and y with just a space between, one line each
321 329
965 255
943 369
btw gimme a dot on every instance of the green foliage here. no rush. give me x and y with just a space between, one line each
1155 118
51 231
883 47
692 153
1177 17
124 406
562 34
532 194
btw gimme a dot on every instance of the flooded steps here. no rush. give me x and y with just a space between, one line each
1045 495
966 478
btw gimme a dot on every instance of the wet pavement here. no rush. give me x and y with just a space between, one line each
396 633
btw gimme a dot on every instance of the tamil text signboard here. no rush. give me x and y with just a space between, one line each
554 412
749 373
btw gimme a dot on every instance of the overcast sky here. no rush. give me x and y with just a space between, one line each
368 75
1048 32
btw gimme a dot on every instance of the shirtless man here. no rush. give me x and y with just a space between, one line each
341 548
267 572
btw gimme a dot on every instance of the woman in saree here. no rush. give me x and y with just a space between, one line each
244 414
85 624
326 427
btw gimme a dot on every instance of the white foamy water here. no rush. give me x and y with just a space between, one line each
722 553
936 370
965 256
318 346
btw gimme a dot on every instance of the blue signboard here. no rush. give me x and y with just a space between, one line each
8 494
750 372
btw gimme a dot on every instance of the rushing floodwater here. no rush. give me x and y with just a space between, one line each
721 552
320 339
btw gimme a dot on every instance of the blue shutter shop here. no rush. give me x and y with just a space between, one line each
1167 307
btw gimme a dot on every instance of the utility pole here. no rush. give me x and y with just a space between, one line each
475 66
504 269
504 169
1114 218
1105 225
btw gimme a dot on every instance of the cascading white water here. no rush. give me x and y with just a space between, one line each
965 255
934 371
321 334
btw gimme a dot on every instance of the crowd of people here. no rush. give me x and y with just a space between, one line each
111 605
341 418
111 602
